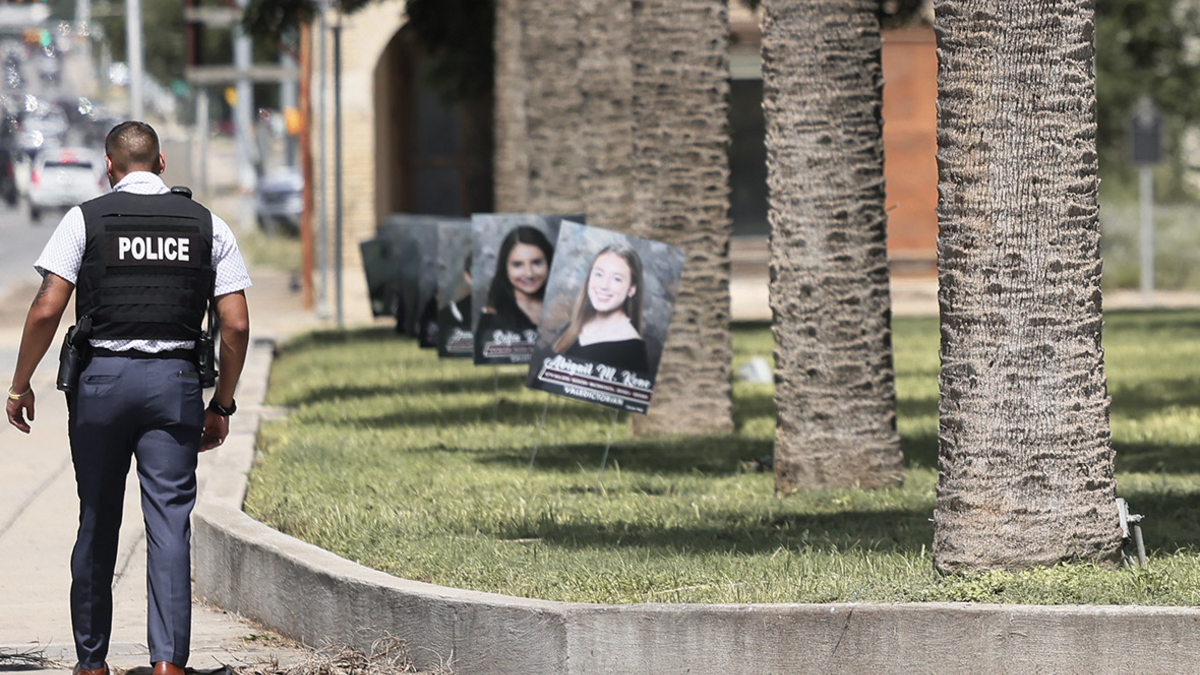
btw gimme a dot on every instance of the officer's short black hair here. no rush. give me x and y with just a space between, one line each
132 145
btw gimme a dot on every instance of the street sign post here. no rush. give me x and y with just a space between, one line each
1145 133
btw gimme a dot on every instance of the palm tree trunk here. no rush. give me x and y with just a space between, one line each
1025 454
835 394
606 124
550 51
681 197
511 150
617 108
539 104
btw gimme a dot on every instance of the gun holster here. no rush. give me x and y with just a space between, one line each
73 354
206 354
205 357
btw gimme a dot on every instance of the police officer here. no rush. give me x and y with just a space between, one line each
146 262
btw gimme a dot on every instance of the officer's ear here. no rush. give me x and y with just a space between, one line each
162 163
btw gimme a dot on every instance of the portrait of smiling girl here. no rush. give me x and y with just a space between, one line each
511 308
606 324
514 298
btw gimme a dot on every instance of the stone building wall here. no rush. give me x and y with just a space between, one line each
365 35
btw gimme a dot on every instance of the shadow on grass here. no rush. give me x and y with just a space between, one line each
338 392
710 456
1140 322
508 384
885 530
749 405
323 338
1156 458
1141 400
920 450
507 410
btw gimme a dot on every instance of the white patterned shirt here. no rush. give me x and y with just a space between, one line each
63 256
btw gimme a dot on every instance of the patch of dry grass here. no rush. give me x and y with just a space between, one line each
26 660
388 655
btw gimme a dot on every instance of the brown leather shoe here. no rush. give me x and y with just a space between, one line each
102 670
167 668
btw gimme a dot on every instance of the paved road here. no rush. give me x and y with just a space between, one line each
20 244
20 239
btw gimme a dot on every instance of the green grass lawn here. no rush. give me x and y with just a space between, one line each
276 251
415 466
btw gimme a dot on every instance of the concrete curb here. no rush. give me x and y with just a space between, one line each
311 595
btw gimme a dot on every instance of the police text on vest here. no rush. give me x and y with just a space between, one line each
154 248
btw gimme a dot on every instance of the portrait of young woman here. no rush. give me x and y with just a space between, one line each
512 308
608 306
606 324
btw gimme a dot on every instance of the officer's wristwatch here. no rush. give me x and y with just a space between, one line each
221 410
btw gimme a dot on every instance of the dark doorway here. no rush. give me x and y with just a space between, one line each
747 158
434 156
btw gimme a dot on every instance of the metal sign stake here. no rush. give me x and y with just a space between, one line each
607 445
537 443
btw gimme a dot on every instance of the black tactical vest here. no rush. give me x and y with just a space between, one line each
147 269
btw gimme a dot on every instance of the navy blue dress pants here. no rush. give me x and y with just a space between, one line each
151 409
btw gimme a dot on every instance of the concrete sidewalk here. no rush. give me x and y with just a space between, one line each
39 511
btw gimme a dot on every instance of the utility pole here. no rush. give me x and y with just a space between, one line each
242 74
288 100
83 26
337 165
306 217
1145 127
134 55
201 177
322 219
193 36
243 112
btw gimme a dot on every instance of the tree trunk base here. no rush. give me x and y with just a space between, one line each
840 470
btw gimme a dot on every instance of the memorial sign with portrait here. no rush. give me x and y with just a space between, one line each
455 339
606 310
511 256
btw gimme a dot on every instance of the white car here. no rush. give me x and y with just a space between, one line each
280 201
64 177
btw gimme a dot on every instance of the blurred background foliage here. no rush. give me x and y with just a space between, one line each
1152 48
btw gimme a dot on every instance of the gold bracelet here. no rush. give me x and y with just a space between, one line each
18 397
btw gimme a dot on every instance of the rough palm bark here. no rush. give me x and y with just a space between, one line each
538 107
511 150
511 145
1025 456
553 105
681 196
606 123
835 394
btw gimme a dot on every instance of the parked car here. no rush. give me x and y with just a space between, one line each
63 177
280 200
45 126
